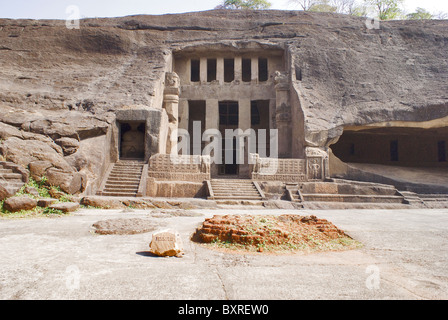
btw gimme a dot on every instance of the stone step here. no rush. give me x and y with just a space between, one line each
226 183
248 188
11 176
120 176
237 198
124 173
234 189
15 184
5 170
12 180
434 197
118 194
125 170
321 197
122 183
121 190
236 193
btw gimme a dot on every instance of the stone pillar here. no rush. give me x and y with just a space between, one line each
220 70
254 70
283 114
244 123
203 70
171 105
183 114
188 71
212 122
238 69
211 114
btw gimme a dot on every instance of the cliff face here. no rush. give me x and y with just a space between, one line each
349 74
343 73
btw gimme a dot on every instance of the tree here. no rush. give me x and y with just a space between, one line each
344 6
419 14
245 4
440 15
323 6
340 6
386 9
305 5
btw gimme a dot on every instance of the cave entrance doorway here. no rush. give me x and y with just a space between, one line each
132 140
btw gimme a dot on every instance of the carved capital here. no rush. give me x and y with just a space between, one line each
281 80
172 84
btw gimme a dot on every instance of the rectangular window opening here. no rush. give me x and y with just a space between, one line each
195 70
246 70
262 69
211 70
229 70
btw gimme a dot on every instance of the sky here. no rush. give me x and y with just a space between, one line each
57 9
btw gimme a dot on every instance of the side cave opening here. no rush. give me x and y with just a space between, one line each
410 158
396 146
132 140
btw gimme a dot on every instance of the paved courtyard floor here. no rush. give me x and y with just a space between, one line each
405 256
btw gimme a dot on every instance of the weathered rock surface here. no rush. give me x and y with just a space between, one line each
124 226
5 191
19 203
46 202
57 101
65 207
166 243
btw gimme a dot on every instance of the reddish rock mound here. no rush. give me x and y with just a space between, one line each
273 233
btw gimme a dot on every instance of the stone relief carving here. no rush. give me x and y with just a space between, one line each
281 80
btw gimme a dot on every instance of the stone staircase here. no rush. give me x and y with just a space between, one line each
234 189
10 179
123 180
412 198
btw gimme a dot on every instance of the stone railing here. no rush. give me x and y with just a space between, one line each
166 167
313 168
287 170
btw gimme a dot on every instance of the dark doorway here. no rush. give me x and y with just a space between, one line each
259 115
441 150
132 140
196 113
228 119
